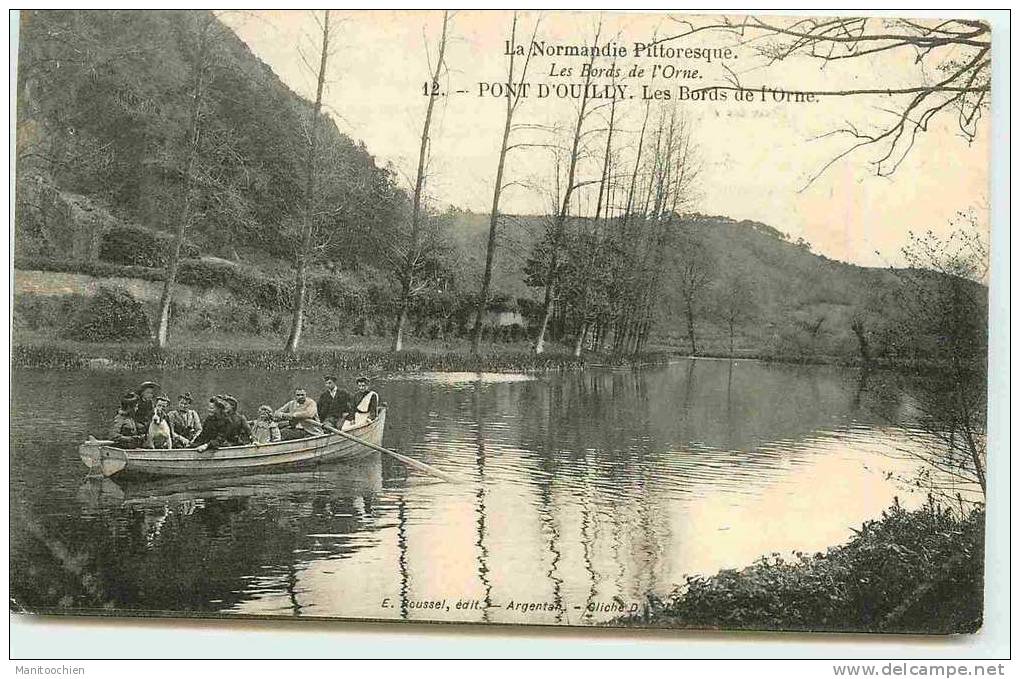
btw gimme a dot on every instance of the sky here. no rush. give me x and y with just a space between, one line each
756 158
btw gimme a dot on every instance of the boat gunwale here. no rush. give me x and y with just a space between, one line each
264 450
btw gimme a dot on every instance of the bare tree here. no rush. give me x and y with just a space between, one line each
945 311
952 77
514 94
410 269
307 230
591 283
692 272
661 191
570 185
203 24
736 303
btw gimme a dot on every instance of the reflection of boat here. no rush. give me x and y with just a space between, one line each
98 491
358 478
105 459
350 479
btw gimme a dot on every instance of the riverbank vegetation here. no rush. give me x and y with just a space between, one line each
223 351
918 571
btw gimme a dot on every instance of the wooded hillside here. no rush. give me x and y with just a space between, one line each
103 118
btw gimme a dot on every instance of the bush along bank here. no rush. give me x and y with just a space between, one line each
353 360
261 305
915 571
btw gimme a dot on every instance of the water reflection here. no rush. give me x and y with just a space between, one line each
591 491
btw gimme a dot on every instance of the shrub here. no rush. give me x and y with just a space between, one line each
134 245
335 293
109 315
35 312
910 571
268 293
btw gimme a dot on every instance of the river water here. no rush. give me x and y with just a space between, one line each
585 493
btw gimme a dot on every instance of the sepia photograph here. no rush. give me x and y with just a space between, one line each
641 320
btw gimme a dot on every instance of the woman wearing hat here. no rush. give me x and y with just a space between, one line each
214 429
186 423
239 431
125 431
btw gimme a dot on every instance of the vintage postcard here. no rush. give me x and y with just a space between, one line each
530 318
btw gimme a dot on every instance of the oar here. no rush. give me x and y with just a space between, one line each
410 461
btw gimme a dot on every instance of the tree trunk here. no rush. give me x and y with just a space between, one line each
298 316
582 333
165 299
398 338
645 332
690 327
731 338
497 191
635 337
862 341
546 315
308 226
194 133
561 218
968 431
414 254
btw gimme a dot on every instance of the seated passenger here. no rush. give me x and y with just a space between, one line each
300 415
185 421
264 428
333 404
366 405
125 432
214 428
238 431
159 433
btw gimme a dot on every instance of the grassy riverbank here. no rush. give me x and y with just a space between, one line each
368 355
915 571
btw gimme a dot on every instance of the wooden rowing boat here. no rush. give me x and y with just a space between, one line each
103 458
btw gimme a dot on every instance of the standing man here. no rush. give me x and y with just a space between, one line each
301 414
334 403
366 404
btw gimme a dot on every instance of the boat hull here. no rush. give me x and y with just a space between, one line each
102 458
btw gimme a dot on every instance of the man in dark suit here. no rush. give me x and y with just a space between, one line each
333 403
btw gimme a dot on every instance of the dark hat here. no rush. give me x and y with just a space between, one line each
186 396
147 385
218 401
128 400
230 399
361 378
